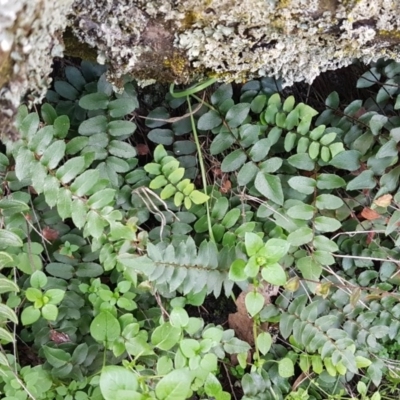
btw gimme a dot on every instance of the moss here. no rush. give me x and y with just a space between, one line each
75 48
392 37
5 68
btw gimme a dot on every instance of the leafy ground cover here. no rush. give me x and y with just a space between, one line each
232 243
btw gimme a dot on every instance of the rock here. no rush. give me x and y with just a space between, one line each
236 39
30 36
185 40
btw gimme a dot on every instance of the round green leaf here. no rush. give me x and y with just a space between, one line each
175 385
286 367
254 303
50 312
116 381
302 184
327 224
165 336
264 342
233 161
105 327
274 274
30 315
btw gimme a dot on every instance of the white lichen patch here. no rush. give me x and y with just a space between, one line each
29 40
240 39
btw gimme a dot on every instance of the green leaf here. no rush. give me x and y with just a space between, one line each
105 327
60 270
302 184
301 161
38 279
260 150
49 312
309 268
363 181
233 161
7 285
56 357
29 263
48 112
323 243
121 128
221 142
78 213
247 173
389 149
66 90
274 274
301 211
85 182
117 383
286 367
7 314
70 169
184 147
179 317
51 188
121 149
64 202
95 224
166 336
161 136
369 78
213 387
376 123
157 117
236 346
253 243
327 224
254 303
237 271
94 101
393 223
348 160
175 386
332 101
264 342
209 120
93 125
328 202
258 103
101 199
8 238
237 114
53 154
5 259
41 140
89 270
198 197
30 315
23 163
330 181
269 186
224 92
11 206
120 107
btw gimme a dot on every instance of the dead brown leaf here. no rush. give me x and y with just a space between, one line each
384 201
369 214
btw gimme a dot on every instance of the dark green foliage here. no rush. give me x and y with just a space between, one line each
103 252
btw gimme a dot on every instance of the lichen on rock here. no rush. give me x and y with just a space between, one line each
30 33
236 39
183 40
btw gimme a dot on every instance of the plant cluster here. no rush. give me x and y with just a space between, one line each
105 250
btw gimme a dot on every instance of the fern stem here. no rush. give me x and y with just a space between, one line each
202 168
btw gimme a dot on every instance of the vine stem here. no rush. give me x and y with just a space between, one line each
202 167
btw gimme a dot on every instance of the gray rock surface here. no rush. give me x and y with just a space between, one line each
184 40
